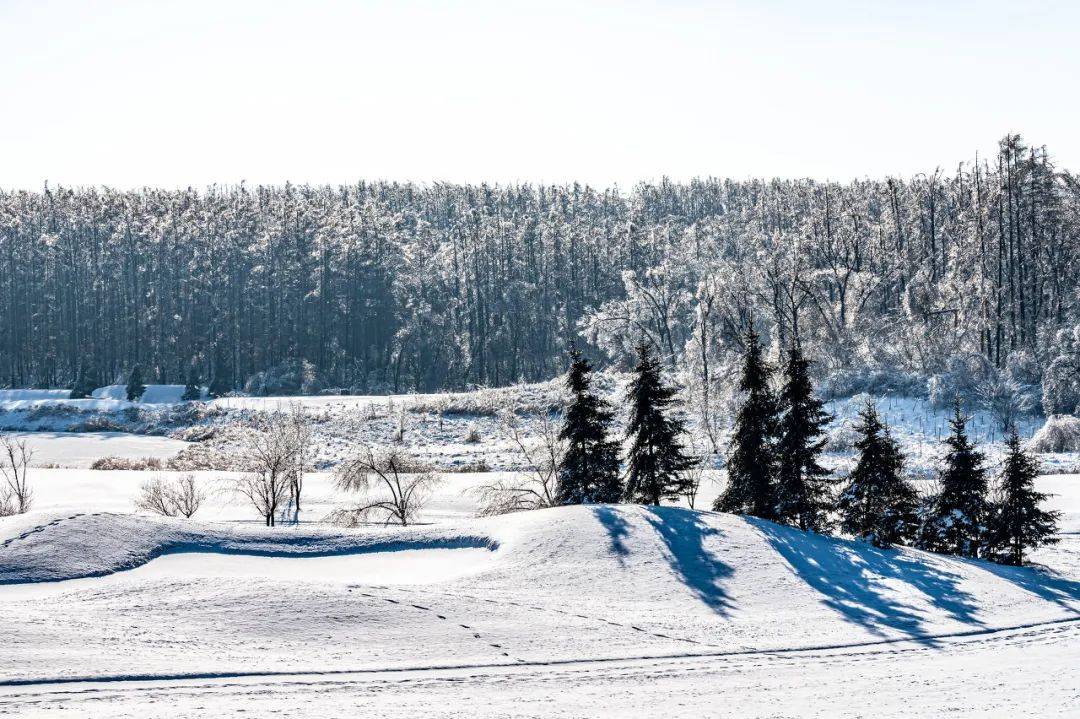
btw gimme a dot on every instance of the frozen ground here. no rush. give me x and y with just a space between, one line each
609 611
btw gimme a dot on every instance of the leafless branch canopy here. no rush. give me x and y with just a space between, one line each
535 488
16 496
394 484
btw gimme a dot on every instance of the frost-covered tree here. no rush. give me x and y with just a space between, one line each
656 461
1017 521
956 520
752 460
803 486
589 468
878 504
135 386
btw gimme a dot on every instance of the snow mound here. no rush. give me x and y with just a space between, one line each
154 394
726 581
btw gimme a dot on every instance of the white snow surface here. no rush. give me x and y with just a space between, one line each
577 611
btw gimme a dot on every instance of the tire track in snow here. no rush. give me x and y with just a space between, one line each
921 643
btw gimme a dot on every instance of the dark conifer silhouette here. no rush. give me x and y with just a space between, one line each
656 461
1017 521
878 504
192 390
135 386
751 459
803 486
956 520
589 469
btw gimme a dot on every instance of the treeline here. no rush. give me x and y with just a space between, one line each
773 471
384 286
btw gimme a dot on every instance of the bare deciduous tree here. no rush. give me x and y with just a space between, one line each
180 497
395 486
270 457
538 486
299 435
16 497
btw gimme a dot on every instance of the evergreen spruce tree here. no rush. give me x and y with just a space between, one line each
192 390
751 459
656 461
219 384
85 384
878 504
803 486
589 469
135 386
1017 522
956 521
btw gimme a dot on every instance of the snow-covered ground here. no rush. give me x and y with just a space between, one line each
582 611
614 611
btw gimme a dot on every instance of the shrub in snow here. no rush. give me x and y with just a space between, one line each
16 497
177 497
1005 399
538 486
845 383
293 376
395 486
126 463
841 438
472 436
1060 433
962 378
1023 368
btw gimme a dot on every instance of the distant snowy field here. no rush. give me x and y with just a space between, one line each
583 611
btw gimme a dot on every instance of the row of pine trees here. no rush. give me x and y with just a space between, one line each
774 471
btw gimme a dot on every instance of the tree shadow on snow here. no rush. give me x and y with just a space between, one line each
1043 583
855 580
617 528
684 535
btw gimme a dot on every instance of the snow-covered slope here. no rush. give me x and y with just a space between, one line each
661 593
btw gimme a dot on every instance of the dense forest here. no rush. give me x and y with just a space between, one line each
406 287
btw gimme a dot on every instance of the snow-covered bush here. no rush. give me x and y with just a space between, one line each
1061 380
16 496
1005 399
178 497
539 398
472 435
845 383
127 463
962 378
293 376
1060 433
841 438
1023 368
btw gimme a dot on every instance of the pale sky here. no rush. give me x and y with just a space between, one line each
166 93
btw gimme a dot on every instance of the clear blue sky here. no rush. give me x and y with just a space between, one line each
196 92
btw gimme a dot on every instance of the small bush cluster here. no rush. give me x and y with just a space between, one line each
127 463
1060 433
842 384
291 377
